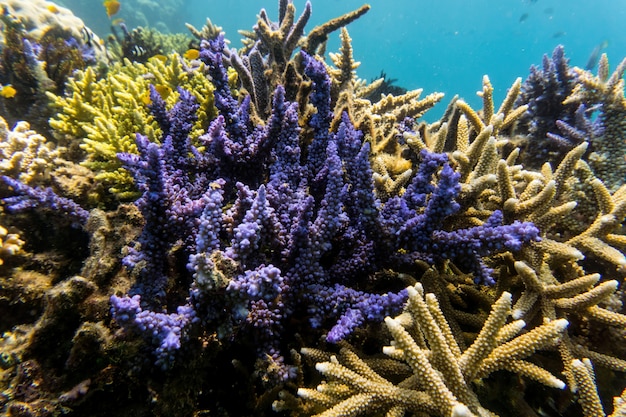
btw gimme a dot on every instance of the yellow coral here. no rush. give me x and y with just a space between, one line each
106 114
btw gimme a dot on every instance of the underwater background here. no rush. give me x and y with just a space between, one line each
444 46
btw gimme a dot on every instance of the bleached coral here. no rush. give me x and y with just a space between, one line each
25 154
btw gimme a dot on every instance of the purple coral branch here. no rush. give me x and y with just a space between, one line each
28 197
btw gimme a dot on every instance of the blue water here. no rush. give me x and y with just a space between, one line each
445 45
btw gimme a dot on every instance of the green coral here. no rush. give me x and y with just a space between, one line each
106 114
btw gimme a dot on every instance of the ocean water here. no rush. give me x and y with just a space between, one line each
445 45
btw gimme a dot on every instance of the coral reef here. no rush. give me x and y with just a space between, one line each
261 215
39 16
544 91
141 44
607 92
40 50
292 275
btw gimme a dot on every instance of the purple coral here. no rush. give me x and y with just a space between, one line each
27 197
164 330
274 230
415 220
544 91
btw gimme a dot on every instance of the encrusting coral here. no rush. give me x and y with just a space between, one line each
10 244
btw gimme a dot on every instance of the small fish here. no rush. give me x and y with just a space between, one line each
52 8
117 21
112 7
8 91
145 98
523 17
163 90
595 55
191 54
558 34
137 51
87 36
159 57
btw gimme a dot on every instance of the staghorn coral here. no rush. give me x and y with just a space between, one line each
546 298
544 91
606 91
382 121
299 213
224 256
106 114
268 58
442 376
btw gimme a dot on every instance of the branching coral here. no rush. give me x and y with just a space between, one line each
295 236
544 91
106 114
25 155
279 207
442 375
606 91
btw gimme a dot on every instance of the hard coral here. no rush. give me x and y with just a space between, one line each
438 375
104 115
271 234
10 244
40 50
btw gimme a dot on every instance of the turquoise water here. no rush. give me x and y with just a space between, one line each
449 45
444 46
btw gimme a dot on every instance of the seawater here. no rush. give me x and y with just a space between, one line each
444 45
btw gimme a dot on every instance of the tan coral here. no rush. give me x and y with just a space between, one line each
607 159
440 383
10 244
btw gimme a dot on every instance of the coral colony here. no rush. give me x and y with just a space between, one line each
278 235
250 213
